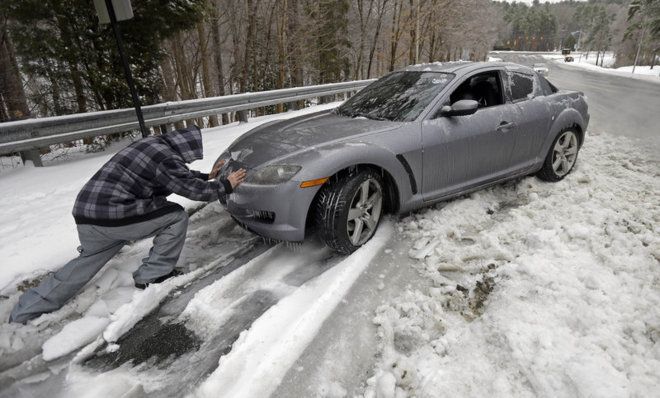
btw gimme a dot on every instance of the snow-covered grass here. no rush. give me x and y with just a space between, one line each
589 62
604 60
538 289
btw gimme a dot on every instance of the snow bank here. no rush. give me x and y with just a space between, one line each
262 355
73 336
539 289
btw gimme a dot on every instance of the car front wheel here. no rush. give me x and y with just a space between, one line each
349 209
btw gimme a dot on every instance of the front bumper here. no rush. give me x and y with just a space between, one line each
274 211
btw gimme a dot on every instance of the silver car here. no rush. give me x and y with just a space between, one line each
412 138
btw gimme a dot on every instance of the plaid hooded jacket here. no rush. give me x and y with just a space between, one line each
134 184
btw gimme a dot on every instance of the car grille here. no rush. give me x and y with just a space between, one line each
262 216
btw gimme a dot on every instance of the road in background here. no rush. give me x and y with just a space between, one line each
618 105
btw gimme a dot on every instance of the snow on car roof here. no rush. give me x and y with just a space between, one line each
462 67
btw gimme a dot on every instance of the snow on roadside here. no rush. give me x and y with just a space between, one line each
74 335
263 354
643 72
538 289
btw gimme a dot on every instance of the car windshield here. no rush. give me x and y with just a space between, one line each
539 65
399 96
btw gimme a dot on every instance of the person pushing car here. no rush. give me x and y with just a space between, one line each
126 201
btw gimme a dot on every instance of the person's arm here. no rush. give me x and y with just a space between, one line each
209 176
175 176
200 175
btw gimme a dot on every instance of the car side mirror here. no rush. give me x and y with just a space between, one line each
460 108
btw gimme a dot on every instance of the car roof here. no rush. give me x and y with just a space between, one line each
464 67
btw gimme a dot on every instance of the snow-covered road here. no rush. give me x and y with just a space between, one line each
618 105
523 289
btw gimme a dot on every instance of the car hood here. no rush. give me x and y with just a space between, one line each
285 137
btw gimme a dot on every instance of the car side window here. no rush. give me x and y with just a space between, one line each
521 86
485 88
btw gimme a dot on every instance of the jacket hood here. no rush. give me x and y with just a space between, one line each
186 142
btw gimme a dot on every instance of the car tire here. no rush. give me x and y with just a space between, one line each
345 220
561 157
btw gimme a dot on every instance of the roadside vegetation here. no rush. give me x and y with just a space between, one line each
56 59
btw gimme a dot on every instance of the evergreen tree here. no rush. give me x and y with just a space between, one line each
74 59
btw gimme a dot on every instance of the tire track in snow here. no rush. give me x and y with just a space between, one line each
174 348
263 355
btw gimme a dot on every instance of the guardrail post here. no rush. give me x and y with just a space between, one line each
242 116
33 156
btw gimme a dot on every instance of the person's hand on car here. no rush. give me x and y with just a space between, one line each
216 169
237 177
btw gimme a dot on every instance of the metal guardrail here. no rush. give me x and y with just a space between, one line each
26 136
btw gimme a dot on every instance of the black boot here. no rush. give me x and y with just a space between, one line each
175 272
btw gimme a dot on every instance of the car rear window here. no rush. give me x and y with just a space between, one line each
521 85
546 87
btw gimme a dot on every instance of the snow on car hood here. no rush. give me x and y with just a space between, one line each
280 138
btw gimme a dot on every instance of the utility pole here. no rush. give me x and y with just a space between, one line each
639 45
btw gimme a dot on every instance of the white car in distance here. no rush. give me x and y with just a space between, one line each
541 69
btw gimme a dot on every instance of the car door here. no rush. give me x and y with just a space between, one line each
461 152
525 91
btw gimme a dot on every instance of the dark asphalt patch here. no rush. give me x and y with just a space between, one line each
154 336
151 340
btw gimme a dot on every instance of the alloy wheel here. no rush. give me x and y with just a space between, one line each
364 212
564 153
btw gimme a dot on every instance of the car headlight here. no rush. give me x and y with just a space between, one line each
274 174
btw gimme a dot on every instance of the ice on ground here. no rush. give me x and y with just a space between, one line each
263 354
212 306
538 289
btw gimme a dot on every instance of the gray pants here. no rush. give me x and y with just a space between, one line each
97 246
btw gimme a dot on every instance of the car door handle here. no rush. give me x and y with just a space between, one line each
504 126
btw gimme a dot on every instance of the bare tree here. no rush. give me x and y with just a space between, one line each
13 103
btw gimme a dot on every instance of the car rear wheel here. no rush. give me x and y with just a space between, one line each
349 209
561 158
